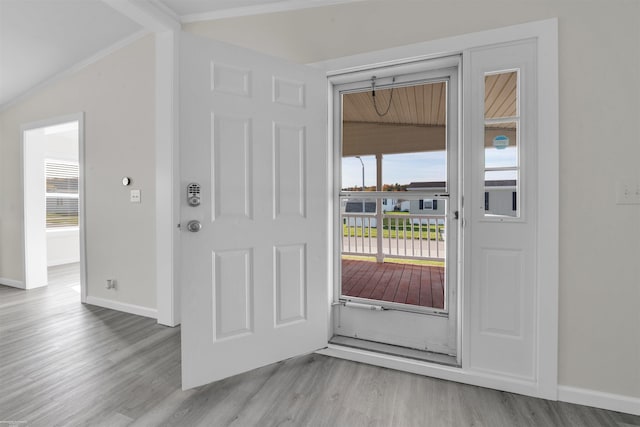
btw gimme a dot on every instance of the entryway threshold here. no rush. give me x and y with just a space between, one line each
394 350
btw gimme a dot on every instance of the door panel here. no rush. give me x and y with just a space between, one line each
501 268
253 135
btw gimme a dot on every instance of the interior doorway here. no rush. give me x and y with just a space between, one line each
398 212
52 188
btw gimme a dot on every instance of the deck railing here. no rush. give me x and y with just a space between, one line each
403 236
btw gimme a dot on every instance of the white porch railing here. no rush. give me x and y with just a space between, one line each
403 236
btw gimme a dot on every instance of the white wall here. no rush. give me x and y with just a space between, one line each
599 145
63 246
34 207
117 95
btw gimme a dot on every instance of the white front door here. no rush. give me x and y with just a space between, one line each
254 276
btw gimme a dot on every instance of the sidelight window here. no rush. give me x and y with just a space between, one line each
502 144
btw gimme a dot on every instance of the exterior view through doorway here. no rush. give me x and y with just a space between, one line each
398 212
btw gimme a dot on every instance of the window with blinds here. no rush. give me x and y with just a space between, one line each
61 193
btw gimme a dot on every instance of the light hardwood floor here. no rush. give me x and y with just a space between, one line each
67 364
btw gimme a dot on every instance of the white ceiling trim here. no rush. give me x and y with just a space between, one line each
75 68
281 6
149 15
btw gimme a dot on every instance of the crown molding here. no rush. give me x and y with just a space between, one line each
280 6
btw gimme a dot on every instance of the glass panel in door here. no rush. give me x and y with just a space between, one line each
394 245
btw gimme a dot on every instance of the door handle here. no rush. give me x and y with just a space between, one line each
194 226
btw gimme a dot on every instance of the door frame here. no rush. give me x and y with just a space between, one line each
545 32
415 72
30 244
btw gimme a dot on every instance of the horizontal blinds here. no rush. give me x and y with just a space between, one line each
62 177
61 193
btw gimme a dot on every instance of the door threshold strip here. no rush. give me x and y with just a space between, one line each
394 350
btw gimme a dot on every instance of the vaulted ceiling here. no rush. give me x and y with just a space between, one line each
41 39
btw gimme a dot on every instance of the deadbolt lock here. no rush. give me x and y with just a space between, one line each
193 194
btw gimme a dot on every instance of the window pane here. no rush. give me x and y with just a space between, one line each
403 128
501 145
359 171
501 95
61 193
62 212
501 193
414 171
358 205
62 177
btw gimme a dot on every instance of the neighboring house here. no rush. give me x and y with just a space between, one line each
395 205
368 207
500 198
428 206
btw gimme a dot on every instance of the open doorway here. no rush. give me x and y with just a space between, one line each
398 214
52 189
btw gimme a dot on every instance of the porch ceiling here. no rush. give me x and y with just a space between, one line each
422 105
425 105
416 118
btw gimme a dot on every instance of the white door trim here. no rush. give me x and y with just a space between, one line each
79 117
167 179
545 32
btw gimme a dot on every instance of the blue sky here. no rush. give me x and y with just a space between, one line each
414 167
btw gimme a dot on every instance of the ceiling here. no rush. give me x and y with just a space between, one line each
425 104
188 8
501 95
416 117
40 39
420 105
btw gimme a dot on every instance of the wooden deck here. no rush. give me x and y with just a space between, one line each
402 283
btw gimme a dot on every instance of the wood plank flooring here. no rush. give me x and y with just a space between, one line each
67 364
402 283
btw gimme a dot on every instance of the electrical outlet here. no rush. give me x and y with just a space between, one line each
134 196
628 193
111 283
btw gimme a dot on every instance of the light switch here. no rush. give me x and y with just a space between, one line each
135 196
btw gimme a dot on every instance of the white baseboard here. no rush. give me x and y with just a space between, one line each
13 283
122 306
58 262
512 385
598 399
